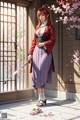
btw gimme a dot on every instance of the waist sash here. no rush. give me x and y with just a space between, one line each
41 39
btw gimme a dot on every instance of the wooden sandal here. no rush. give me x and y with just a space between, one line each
41 103
44 101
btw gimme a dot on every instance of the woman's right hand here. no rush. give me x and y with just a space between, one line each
30 58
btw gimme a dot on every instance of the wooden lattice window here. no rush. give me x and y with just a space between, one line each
13 46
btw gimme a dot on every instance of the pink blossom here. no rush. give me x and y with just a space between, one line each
64 6
77 26
71 26
68 11
74 19
78 19
36 111
56 20
75 6
60 18
53 7
71 11
60 10
62 13
68 28
57 10
65 20
76 56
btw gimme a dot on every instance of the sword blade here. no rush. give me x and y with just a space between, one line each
17 70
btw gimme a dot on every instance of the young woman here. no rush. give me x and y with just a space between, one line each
40 53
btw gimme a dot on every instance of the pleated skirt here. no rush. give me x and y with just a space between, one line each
41 68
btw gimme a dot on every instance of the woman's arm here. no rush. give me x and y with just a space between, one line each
51 42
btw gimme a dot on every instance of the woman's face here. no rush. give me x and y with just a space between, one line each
42 18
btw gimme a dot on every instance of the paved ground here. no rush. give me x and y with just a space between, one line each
54 110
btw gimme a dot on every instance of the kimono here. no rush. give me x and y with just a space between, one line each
42 62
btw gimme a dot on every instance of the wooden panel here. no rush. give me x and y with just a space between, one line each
71 71
11 96
25 2
73 88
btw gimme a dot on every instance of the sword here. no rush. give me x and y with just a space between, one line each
16 72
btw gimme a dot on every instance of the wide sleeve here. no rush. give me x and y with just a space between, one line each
51 41
32 45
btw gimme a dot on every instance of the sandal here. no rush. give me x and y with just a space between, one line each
44 101
41 103
36 111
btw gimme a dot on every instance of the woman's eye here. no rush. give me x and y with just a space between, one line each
42 15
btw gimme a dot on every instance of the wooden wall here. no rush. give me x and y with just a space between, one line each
67 75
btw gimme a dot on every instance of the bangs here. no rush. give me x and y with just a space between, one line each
42 11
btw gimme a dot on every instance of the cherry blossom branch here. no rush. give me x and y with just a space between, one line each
68 13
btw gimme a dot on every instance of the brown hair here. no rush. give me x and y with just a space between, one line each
44 10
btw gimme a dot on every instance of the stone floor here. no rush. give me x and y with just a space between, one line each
55 109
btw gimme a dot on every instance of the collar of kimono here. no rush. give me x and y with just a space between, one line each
44 24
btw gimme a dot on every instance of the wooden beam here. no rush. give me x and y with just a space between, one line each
25 2
16 95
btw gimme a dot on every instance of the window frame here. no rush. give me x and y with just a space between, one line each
77 33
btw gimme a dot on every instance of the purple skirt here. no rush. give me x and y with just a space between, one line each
41 67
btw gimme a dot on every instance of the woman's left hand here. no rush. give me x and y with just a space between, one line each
40 44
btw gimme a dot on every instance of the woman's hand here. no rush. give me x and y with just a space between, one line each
30 58
40 44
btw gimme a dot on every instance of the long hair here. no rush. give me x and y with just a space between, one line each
44 10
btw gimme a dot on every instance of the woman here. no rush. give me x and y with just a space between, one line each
40 53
